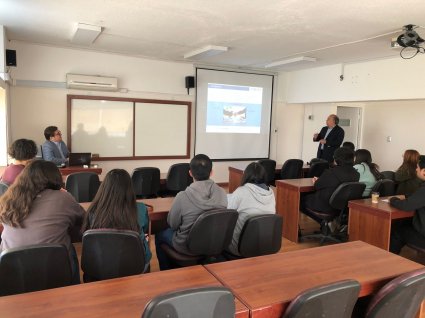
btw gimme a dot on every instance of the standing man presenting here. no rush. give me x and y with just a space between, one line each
330 138
54 149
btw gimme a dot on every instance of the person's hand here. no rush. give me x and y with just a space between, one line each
322 141
63 190
315 136
315 179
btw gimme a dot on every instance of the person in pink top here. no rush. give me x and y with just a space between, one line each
23 151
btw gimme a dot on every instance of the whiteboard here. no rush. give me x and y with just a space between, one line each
113 128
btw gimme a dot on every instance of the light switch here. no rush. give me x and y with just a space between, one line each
389 138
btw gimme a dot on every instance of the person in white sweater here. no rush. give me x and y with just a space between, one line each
251 198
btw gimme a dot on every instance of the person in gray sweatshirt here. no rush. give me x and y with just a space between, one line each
202 195
252 197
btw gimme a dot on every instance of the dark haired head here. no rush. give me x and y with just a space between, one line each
200 167
363 156
344 157
114 205
15 204
410 160
23 149
349 145
254 173
50 132
421 162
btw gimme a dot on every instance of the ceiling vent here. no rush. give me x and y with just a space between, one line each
95 83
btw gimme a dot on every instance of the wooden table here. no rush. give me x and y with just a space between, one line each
267 284
288 195
371 222
68 170
122 297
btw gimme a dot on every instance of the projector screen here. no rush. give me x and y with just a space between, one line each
233 112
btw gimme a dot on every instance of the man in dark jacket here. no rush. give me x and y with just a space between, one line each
329 181
330 138
412 230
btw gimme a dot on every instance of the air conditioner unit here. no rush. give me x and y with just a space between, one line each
96 83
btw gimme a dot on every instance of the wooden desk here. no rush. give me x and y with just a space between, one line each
122 297
267 284
371 222
288 195
236 172
68 170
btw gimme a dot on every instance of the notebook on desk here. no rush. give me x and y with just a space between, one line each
79 158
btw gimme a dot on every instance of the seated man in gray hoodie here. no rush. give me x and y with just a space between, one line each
202 195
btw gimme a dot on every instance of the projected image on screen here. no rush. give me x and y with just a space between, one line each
234 109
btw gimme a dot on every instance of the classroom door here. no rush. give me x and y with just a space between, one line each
349 120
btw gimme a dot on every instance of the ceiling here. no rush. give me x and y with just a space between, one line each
257 32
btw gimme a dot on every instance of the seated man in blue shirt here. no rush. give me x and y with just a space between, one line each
54 149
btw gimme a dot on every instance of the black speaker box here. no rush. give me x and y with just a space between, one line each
11 57
190 81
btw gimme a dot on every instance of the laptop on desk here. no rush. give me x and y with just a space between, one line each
79 158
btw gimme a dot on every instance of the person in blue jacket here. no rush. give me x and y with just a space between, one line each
115 207
54 148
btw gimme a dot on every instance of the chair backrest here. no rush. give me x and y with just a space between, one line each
34 267
205 302
82 185
146 181
108 253
3 187
270 166
261 235
388 175
317 168
400 298
292 169
178 178
212 232
385 187
345 192
335 300
315 160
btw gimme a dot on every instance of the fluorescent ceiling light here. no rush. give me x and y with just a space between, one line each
206 51
85 34
295 60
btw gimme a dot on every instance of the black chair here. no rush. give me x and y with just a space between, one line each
33 268
400 298
209 236
339 202
205 302
270 166
315 160
146 182
335 300
178 178
261 235
385 187
388 175
108 253
317 168
3 187
82 185
292 169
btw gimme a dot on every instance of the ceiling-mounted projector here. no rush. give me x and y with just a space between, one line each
410 37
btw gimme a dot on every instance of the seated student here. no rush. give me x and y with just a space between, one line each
54 149
36 210
202 195
252 197
405 175
369 173
349 145
411 230
22 150
115 207
329 181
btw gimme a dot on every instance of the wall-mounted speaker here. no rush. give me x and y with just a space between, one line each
10 57
190 82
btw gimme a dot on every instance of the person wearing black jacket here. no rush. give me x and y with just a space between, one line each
330 138
329 181
413 230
